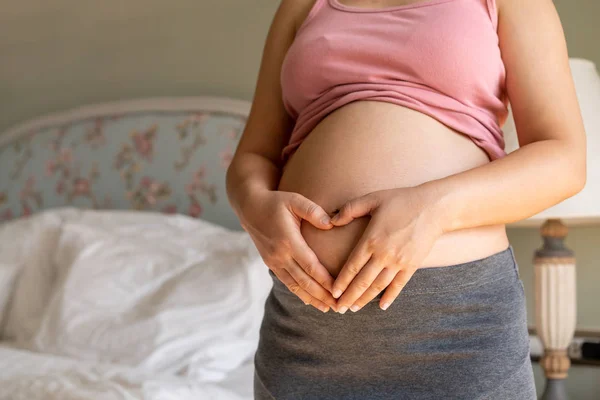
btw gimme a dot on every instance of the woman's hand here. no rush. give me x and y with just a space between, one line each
272 218
400 234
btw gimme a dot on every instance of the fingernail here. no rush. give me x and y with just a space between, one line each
355 308
324 309
337 293
335 218
385 306
325 220
343 309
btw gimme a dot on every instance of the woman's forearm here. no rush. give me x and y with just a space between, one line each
515 187
247 173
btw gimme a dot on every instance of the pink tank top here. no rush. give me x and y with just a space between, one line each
439 57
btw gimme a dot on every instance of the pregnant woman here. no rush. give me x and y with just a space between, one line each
372 177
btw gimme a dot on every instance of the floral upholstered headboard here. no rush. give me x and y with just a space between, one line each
161 154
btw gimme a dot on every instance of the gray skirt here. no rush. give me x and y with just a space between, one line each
455 332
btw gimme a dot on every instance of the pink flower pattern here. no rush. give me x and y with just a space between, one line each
60 187
198 186
148 193
95 135
23 149
81 187
70 184
192 126
195 210
71 173
143 142
29 195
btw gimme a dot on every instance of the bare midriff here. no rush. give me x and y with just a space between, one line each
367 146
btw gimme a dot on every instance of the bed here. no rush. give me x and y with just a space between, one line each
124 274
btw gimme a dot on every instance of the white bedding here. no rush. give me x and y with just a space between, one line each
127 305
28 375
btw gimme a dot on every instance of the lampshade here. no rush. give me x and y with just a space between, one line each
584 207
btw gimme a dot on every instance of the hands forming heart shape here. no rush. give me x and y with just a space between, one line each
403 228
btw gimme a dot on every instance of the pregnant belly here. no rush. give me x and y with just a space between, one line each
367 146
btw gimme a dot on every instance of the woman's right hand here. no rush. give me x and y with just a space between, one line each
273 219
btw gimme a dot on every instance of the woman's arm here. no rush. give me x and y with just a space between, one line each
550 165
256 161
271 217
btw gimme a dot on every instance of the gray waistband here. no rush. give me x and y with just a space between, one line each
472 273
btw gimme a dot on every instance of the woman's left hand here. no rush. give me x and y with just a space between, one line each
403 228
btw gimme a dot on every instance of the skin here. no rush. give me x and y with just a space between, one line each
401 225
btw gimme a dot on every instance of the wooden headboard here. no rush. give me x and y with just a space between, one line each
161 154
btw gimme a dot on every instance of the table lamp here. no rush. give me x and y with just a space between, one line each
555 288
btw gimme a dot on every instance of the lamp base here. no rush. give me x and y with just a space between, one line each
556 306
555 390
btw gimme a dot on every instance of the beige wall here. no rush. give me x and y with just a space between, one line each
60 53
580 20
63 53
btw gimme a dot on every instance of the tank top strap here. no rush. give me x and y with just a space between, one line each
317 5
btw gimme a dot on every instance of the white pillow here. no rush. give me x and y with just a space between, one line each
167 293
8 274
26 246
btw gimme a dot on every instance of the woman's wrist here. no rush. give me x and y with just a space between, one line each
248 195
433 200
249 175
